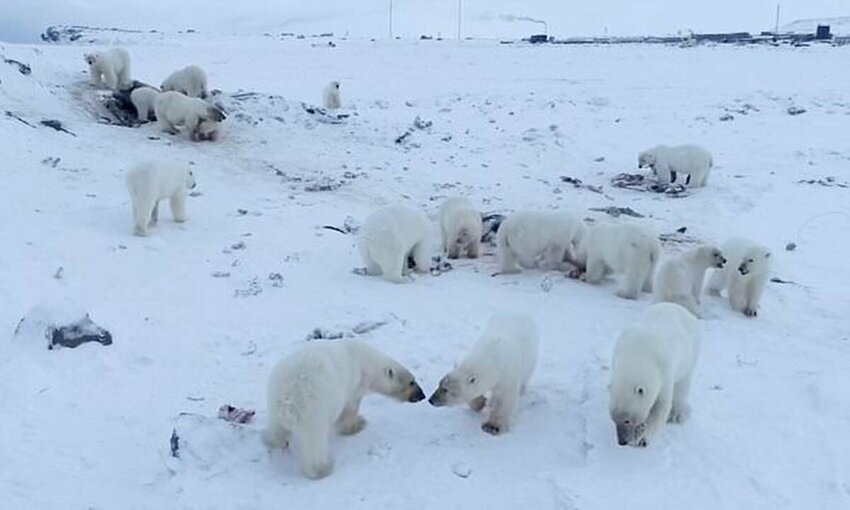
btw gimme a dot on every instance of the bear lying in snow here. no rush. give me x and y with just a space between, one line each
497 370
692 160
651 372
148 184
110 68
744 276
317 390
461 228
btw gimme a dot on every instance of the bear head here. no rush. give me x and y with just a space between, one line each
91 58
646 158
460 386
755 260
632 398
397 382
710 256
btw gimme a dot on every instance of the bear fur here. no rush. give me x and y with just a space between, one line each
651 372
530 239
110 68
392 235
461 228
679 279
621 248
496 370
208 131
744 276
176 112
330 96
150 182
143 99
190 81
668 162
317 390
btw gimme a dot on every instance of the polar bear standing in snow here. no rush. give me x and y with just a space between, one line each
150 182
498 366
389 237
110 68
175 112
623 248
190 81
745 275
143 99
461 228
330 96
317 390
651 372
531 238
667 162
679 279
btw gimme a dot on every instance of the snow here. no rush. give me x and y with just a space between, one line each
199 319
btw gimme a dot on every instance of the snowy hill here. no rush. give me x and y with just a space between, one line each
199 314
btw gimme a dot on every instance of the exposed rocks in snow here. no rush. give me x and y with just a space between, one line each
360 328
795 110
828 182
57 125
640 182
24 69
60 324
577 183
349 226
232 414
461 470
324 184
174 444
324 334
253 288
678 237
490 226
439 266
617 211
16 117
276 279
365 327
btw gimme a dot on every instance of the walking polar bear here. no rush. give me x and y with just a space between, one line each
744 276
110 68
651 372
148 184
498 366
622 248
143 99
679 279
530 238
667 162
461 228
190 81
330 96
317 390
195 117
392 235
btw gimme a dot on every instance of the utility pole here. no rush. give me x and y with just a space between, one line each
459 16
391 19
776 28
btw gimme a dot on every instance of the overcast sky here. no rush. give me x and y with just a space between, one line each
23 20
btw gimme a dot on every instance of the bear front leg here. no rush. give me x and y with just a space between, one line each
142 212
350 422
657 415
716 282
454 251
392 268
680 411
110 78
155 214
595 269
473 249
178 206
275 436
478 403
503 403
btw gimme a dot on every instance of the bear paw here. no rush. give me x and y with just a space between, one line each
627 294
679 414
641 443
750 312
319 470
492 428
353 426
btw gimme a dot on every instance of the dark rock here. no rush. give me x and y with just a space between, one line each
24 69
56 124
60 325
74 335
617 211
490 227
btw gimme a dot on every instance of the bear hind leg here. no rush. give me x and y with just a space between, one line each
314 451
178 207
142 214
421 257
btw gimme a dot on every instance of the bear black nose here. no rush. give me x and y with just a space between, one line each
417 395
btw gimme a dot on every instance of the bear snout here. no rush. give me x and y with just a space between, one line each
622 435
416 395
743 270
721 263
437 398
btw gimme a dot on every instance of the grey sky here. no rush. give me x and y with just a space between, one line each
22 20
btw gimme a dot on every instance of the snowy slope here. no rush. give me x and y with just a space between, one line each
770 397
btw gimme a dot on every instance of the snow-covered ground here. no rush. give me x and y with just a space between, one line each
198 321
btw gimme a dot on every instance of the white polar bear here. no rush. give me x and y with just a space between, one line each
317 390
389 237
176 112
622 248
538 238
651 372
330 96
143 99
745 275
499 366
461 228
150 182
666 162
191 81
679 279
110 68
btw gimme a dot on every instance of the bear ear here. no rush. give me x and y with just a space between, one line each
640 390
390 372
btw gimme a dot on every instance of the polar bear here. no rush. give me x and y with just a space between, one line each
110 68
317 391
679 279
392 235
623 248
143 99
175 112
191 81
744 276
666 162
461 227
651 372
531 238
150 182
208 130
498 366
330 96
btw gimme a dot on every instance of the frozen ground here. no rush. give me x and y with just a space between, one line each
198 323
